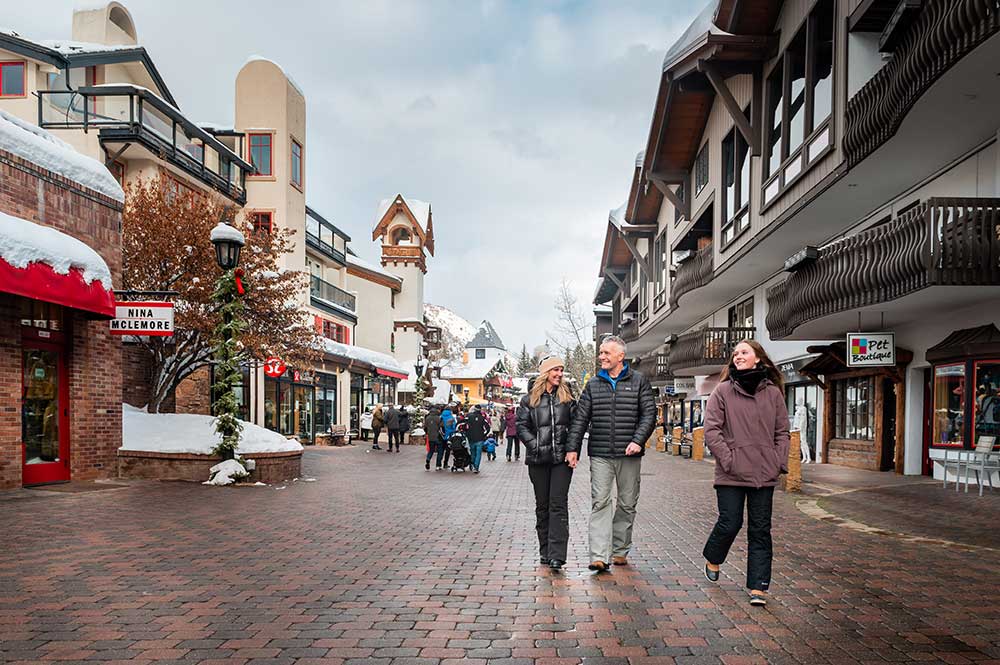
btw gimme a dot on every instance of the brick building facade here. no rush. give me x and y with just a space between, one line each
60 368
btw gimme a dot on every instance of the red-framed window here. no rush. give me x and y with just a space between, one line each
13 79
260 154
263 222
296 163
338 332
986 400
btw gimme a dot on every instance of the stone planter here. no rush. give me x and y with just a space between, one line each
418 440
270 468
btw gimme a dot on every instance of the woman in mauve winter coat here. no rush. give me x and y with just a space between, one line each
543 421
746 428
510 423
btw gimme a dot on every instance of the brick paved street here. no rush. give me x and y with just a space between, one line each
378 561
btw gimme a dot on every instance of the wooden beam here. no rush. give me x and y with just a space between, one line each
614 279
900 425
679 203
750 133
643 262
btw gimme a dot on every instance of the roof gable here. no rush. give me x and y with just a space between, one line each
486 338
418 212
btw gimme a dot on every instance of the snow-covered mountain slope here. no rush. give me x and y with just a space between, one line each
455 331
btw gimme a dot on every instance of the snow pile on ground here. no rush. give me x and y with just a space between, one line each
23 242
226 473
42 148
193 434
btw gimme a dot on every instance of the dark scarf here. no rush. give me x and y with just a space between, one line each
748 379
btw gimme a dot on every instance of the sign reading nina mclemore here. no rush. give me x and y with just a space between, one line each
871 349
143 318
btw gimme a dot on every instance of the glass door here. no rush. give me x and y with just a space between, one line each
44 415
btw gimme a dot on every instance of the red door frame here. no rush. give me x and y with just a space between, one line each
49 472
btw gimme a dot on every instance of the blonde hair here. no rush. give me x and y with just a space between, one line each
541 384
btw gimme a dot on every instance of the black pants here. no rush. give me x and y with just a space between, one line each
759 548
377 431
551 483
513 441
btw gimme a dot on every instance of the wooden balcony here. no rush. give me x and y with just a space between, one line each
693 273
941 242
629 330
943 33
433 338
705 351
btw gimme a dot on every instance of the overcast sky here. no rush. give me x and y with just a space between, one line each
519 122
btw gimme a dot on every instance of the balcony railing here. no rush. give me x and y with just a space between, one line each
320 237
325 293
941 242
943 33
706 350
126 113
693 273
433 338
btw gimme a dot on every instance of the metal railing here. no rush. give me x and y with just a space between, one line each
943 33
941 242
126 113
325 291
320 236
707 347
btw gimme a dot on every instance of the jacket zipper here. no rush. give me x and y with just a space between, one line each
614 409
552 423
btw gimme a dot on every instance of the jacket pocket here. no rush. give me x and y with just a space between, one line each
754 464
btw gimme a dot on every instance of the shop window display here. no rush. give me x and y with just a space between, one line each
949 414
987 403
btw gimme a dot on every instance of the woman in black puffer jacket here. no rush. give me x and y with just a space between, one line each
543 421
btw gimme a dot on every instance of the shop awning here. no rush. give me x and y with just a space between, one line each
42 263
393 375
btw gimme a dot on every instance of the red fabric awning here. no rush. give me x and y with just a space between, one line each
394 375
40 282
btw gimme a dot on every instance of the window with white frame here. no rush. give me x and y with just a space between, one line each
735 186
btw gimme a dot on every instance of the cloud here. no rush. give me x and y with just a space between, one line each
519 122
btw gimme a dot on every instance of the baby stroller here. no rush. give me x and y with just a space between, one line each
461 458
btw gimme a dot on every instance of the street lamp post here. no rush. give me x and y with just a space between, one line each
228 242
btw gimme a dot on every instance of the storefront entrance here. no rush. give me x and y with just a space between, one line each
44 413
802 400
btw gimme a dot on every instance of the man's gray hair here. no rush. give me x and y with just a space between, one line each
615 339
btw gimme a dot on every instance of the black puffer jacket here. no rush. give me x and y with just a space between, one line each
544 429
616 415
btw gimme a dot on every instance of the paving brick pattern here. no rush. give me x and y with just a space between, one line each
379 561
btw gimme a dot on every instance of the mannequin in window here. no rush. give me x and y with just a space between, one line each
799 422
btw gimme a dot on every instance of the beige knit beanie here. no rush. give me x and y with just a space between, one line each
549 363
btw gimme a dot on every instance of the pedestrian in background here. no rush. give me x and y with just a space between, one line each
496 424
543 421
619 409
404 425
392 424
477 428
746 428
378 422
449 425
435 441
510 420
366 423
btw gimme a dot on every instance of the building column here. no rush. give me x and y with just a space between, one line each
914 417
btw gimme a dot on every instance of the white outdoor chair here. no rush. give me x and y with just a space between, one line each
955 463
983 461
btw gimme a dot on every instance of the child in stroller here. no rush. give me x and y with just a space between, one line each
461 458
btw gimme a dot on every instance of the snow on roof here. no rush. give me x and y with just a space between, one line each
23 242
360 353
223 231
617 215
476 368
701 26
36 145
371 267
255 58
442 392
70 47
486 338
216 126
140 88
193 434
420 209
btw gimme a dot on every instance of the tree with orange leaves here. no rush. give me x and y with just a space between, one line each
166 247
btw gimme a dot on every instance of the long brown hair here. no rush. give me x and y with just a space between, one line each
541 384
772 371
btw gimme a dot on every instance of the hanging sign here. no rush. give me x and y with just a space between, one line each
143 318
871 349
274 368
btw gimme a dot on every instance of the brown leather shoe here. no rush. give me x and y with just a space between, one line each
598 565
619 561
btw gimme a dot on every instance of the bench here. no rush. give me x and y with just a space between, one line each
338 435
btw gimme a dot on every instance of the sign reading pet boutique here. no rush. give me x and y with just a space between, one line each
143 318
871 349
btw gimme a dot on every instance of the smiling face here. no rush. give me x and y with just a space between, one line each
555 376
744 356
611 355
